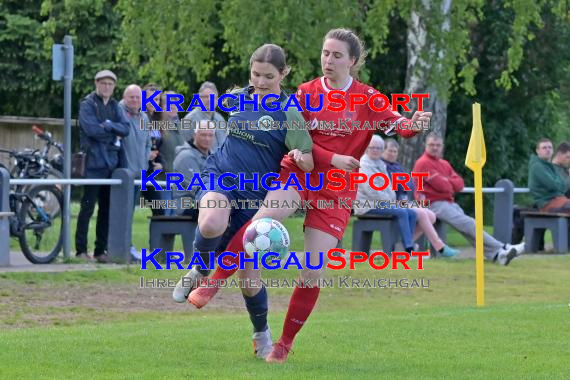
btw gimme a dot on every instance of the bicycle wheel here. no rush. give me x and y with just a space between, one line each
41 219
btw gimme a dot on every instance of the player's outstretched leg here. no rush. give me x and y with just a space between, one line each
212 222
191 280
201 296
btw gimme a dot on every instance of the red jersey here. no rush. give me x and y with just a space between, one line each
342 132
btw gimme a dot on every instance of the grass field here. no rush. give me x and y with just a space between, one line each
99 324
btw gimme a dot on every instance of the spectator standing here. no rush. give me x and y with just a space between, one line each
102 126
138 143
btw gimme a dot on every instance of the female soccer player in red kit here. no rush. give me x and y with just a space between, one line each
339 147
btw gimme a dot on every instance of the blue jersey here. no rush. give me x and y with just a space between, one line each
256 143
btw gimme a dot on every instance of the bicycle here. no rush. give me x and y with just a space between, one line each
37 209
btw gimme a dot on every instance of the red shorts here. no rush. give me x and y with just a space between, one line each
332 221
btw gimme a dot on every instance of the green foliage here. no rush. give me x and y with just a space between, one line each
171 43
180 43
94 46
526 14
23 58
29 28
377 25
298 26
511 56
513 120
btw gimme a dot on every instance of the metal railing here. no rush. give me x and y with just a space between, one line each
492 190
121 217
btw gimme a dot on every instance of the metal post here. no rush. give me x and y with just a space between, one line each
67 78
121 216
503 212
4 221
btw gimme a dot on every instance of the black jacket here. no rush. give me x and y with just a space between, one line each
100 125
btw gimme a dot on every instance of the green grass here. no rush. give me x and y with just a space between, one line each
387 343
354 333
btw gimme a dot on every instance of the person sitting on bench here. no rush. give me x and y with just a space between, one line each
425 217
440 186
191 158
547 185
561 163
370 164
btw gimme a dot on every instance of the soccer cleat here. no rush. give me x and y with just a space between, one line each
505 255
279 353
449 252
201 296
185 285
262 343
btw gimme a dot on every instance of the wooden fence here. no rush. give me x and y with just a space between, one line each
16 133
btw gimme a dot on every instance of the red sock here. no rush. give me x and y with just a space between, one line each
235 245
301 305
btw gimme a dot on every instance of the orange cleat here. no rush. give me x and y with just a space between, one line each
279 353
201 296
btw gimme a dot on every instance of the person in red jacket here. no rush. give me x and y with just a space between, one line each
439 188
339 147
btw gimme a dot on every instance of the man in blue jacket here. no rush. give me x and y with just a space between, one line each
102 126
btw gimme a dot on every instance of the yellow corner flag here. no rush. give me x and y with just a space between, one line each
475 160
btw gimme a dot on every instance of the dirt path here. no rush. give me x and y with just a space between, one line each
25 304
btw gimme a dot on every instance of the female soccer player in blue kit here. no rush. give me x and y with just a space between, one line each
248 150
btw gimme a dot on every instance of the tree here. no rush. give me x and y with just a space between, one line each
535 106
22 68
27 31
177 41
457 50
439 44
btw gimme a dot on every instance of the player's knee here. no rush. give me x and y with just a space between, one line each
422 216
263 212
430 216
212 227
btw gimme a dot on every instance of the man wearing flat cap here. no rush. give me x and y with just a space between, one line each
102 124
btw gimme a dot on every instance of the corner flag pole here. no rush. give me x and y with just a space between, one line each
475 160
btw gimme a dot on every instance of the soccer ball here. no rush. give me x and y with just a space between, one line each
266 235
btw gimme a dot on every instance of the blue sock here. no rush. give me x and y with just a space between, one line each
257 307
206 247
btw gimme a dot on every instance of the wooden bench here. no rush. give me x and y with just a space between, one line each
364 227
535 222
163 229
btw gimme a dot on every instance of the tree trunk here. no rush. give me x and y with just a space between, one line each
418 72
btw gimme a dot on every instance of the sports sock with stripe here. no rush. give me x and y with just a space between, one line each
301 305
